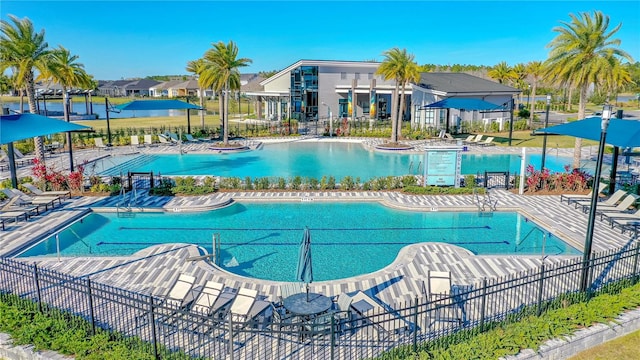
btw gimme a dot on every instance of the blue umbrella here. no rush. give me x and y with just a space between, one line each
621 133
304 270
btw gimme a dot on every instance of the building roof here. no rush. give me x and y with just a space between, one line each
253 85
142 84
167 84
191 84
461 83
341 63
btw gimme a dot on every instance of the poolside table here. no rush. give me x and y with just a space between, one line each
297 304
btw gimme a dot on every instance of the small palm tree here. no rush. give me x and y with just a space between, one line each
579 57
222 73
400 66
502 72
24 51
196 67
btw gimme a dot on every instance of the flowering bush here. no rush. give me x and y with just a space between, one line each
574 180
48 178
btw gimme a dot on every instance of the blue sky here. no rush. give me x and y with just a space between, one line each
123 39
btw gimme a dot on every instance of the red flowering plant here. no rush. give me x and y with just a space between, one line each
574 180
47 178
76 179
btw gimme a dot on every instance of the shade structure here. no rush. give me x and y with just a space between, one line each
622 133
463 104
304 271
156 105
17 127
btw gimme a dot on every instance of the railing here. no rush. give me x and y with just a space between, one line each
397 329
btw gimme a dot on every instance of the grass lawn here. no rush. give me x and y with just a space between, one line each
156 121
622 348
526 139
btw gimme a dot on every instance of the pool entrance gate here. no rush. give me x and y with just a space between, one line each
139 180
496 179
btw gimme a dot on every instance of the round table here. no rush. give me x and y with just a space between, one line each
298 304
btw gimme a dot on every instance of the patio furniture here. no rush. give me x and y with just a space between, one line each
34 189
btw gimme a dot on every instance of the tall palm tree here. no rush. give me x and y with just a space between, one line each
196 67
222 72
24 51
579 54
535 70
520 80
616 79
63 69
400 66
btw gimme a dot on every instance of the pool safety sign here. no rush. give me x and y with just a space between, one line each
442 166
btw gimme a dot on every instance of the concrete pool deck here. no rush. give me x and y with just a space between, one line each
153 269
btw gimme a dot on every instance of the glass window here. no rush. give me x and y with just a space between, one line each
343 76
357 76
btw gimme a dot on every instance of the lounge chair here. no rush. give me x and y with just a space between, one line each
13 205
21 158
14 215
23 199
614 216
371 311
242 304
475 140
487 142
211 299
135 141
624 224
449 138
148 141
190 138
100 144
177 298
34 189
575 197
164 140
611 201
438 291
173 137
469 139
621 208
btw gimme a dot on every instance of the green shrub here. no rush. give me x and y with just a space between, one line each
261 183
282 183
247 183
440 190
296 183
230 183
347 183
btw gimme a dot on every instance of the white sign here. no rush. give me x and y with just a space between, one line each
442 166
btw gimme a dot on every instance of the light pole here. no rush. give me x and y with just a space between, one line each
544 139
330 116
606 116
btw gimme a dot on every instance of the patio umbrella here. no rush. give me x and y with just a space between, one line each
161 105
621 133
305 271
24 126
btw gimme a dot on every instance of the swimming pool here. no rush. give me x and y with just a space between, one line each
261 240
309 159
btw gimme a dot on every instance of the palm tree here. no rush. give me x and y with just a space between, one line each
502 72
579 56
618 78
197 67
535 70
24 50
400 66
222 73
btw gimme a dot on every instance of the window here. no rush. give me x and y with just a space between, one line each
357 76
343 76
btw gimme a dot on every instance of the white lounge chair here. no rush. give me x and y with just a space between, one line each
241 306
100 144
474 139
210 299
24 199
487 142
611 201
34 189
371 311
576 197
21 158
148 140
164 140
135 141
438 290
619 218
622 206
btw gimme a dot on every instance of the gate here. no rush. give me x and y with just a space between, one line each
139 180
496 179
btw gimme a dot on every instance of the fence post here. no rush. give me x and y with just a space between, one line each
540 288
152 320
38 292
634 279
415 325
91 314
230 337
483 303
333 337
592 266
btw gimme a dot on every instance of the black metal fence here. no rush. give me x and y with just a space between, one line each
153 326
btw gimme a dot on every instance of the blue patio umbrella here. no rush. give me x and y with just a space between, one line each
24 126
621 133
304 270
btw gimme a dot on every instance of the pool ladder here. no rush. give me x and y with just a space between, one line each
417 168
486 205
123 208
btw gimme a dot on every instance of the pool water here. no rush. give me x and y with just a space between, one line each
309 159
262 240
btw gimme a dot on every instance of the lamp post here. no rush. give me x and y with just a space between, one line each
606 116
67 109
330 116
544 139
106 108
